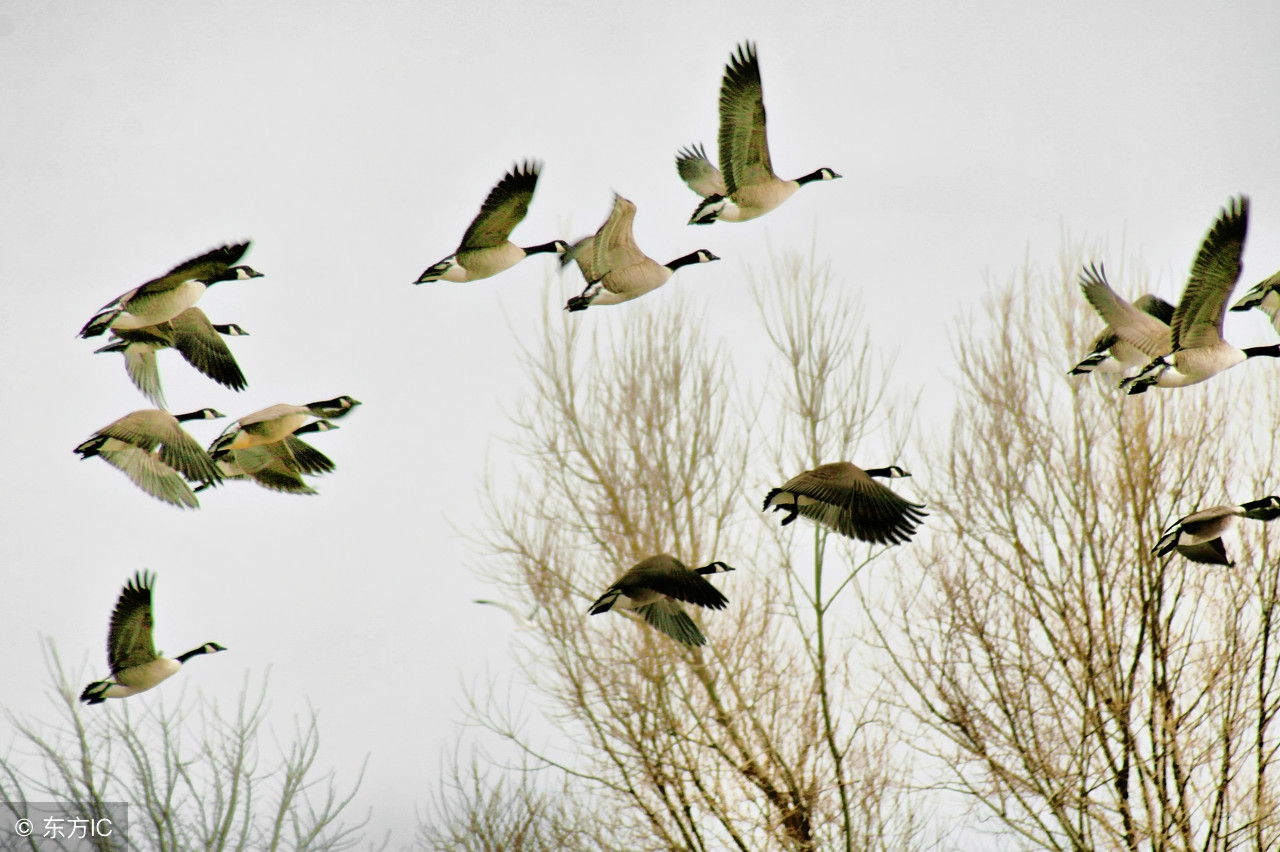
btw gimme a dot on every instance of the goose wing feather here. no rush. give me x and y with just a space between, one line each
670 618
203 348
129 640
1197 322
614 247
503 209
1131 324
744 147
699 173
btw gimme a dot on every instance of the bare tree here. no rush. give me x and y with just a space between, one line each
772 736
1078 691
489 809
194 777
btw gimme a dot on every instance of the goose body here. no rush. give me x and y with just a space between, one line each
1198 350
161 299
613 265
745 186
486 248
1198 536
654 588
1265 296
154 451
1110 353
847 499
198 341
277 422
279 465
131 651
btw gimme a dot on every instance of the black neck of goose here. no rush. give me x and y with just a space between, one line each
692 257
194 652
191 415
882 472
1272 351
552 247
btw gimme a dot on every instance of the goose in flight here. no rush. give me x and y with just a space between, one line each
486 248
279 465
277 422
1198 351
1111 354
847 499
131 651
654 588
1198 536
161 299
615 268
1265 296
198 341
744 187
153 450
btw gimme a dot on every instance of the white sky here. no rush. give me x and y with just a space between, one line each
354 141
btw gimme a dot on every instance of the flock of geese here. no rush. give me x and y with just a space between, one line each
150 446
1183 345
1173 346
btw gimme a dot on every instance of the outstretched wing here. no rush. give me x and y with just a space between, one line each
1198 320
129 641
744 147
506 206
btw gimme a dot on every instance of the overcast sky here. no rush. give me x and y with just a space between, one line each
354 141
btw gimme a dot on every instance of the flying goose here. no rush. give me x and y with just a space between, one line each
615 268
744 187
486 248
275 423
153 450
1109 353
1198 536
161 299
845 498
135 665
653 589
279 465
1198 350
195 338
1265 296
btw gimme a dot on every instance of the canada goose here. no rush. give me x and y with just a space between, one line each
845 498
653 589
195 338
1109 353
1198 350
1265 296
615 268
486 248
135 665
277 422
1198 536
153 450
744 187
163 298
279 465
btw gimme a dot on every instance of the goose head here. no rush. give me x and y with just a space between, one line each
1266 509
